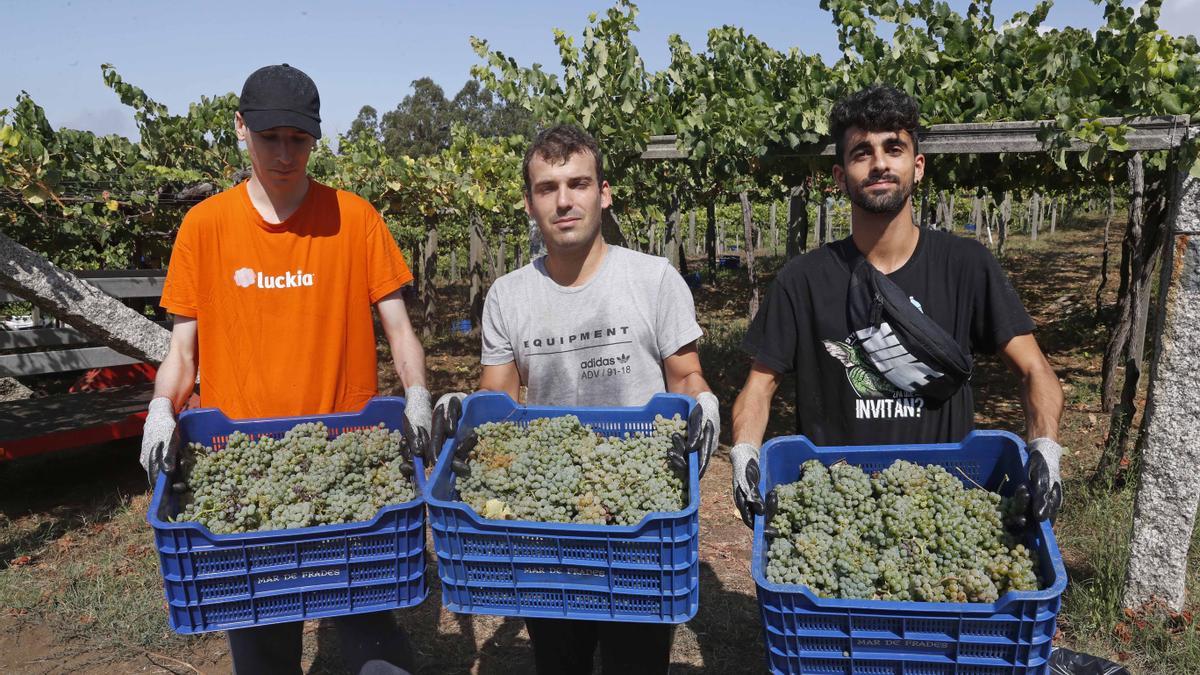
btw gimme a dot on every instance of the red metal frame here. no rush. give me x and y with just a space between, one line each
99 379
95 380
73 438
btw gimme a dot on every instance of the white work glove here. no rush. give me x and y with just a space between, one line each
709 433
744 457
418 417
160 439
1045 481
445 421
1041 496
703 430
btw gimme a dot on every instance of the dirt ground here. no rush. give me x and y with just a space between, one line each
61 510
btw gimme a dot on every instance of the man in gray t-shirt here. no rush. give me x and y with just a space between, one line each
590 324
601 343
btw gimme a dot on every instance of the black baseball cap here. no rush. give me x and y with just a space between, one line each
281 96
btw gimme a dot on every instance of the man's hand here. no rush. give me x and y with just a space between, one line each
417 419
160 439
1041 497
445 422
1045 481
744 457
703 429
705 438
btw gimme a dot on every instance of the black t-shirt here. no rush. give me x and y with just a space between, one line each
803 327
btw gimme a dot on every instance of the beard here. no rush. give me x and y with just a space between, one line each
888 202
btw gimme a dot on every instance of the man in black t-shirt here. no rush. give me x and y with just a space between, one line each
804 326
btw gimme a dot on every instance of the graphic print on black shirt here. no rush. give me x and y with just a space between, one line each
803 328
877 398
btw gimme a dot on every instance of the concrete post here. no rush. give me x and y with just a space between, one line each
101 317
1165 510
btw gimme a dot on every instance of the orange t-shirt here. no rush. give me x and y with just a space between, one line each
283 311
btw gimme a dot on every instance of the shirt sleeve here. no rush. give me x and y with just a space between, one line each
771 337
997 315
386 269
675 321
497 345
181 293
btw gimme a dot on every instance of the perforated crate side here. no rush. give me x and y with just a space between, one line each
299 605
568 601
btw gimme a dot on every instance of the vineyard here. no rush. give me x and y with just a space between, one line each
1088 225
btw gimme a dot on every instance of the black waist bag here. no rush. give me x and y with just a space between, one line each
908 348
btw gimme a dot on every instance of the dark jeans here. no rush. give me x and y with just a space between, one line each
566 646
372 644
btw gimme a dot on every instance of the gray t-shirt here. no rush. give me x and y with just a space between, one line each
599 344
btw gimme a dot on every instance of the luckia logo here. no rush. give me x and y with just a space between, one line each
246 277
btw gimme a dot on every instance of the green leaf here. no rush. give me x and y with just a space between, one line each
1171 103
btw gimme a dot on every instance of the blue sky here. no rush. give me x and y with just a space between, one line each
363 52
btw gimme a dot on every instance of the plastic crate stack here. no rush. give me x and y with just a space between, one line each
647 572
227 581
808 634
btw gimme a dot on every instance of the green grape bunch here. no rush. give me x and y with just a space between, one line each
908 533
303 479
559 470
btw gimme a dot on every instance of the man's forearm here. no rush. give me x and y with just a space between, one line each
503 378
409 358
751 411
1042 397
176 379
692 385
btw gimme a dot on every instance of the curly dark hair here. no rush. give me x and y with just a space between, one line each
558 144
879 107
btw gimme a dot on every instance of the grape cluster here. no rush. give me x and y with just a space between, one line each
906 533
300 480
558 470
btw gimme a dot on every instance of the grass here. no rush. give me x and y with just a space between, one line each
97 584
1093 533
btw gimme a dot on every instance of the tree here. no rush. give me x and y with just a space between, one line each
478 110
420 124
365 125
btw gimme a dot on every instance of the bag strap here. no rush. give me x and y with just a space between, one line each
874 299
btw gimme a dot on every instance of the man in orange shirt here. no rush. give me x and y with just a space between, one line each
271 285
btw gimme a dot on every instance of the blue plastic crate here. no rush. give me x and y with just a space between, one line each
226 581
647 572
805 633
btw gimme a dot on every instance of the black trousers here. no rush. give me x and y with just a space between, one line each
567 646
372 644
